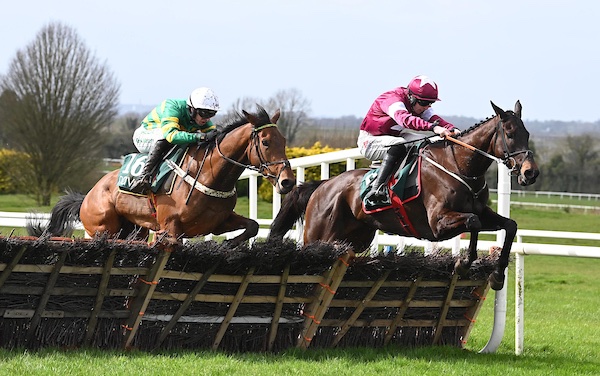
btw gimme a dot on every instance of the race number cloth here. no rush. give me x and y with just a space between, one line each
134 163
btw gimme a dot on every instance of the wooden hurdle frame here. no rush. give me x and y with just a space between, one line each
299 310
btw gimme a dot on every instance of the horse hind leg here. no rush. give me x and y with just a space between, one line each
472 223
462 265
130 231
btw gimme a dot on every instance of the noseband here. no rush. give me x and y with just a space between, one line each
509 160
263 167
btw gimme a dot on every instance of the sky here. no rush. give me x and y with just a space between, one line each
339 54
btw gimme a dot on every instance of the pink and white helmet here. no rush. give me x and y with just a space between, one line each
423 87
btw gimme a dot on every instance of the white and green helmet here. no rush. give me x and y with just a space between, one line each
203 98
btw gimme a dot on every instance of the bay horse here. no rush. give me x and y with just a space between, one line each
252 141
453 199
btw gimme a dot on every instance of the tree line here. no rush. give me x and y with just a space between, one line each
59 118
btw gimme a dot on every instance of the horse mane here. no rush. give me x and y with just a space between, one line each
471 128
476 125
508 112
239 119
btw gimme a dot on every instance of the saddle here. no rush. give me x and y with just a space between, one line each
163 178
404 185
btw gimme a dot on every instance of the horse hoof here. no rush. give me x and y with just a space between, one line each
495 282
460 268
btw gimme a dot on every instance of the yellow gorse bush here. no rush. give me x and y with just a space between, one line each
265 191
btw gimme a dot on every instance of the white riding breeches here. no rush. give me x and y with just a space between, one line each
375 148
145 139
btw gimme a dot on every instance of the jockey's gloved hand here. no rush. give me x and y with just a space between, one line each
206 137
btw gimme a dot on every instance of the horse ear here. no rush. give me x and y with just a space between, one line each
518 108
251 118
498 110
276 116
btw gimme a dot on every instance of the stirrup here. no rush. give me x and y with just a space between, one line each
377 198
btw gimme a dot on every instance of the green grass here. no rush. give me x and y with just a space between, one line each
561 338
561 329
24 203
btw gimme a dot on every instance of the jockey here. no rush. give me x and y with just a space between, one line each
397 117
174 121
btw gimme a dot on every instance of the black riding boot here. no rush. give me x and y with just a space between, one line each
143 183
379 195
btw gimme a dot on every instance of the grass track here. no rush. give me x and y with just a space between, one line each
561 332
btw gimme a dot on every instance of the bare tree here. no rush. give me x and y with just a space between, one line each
582 162
56 100
243 103
294 112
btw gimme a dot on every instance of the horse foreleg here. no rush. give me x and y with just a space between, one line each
237 222
492 221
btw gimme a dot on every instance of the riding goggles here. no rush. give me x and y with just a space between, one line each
424 103
206 114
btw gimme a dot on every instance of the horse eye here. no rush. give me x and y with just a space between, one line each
265 143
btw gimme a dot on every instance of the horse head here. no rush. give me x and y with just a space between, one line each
266 151
512 145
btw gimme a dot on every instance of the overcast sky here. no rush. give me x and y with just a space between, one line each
340 54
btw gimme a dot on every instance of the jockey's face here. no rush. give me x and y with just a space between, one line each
419 108
200 120
202 116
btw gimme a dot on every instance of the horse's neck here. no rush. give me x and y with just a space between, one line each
471 163
219 173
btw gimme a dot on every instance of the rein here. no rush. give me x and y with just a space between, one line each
508 159
264 165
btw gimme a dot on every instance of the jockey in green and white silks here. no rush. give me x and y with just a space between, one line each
170 121
173 122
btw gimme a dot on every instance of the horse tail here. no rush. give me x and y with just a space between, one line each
62 217
293 208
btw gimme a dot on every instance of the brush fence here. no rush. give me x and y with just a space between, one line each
266 297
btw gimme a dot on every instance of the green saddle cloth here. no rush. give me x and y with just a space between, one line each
134 163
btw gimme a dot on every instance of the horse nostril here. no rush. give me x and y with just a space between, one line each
286 185
532 173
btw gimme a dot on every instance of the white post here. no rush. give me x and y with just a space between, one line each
519 302
500 300
324 170
299 223
350 164
456 246
276 202
253 196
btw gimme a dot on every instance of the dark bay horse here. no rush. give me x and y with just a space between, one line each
453 197
252 141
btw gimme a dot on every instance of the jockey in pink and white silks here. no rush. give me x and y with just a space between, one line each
173 121
397 117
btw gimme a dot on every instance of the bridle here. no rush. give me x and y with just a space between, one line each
508 157
263 167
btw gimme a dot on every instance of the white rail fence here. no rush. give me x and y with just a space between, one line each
520 247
